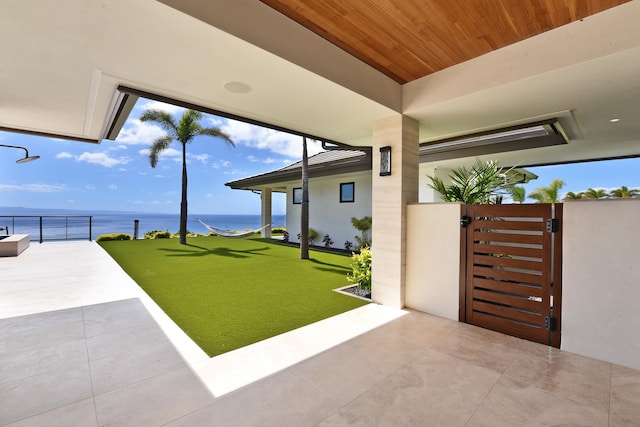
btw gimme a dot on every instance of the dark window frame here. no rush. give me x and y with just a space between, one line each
293 195
353 192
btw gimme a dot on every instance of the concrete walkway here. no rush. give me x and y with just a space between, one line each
81 344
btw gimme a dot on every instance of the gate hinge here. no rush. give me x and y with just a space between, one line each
465 221
550 323
553 225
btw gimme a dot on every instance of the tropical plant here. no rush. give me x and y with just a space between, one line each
348 245
183 131
327 241
592 193
573 196
625 193
361 269
363 225
479 185
518 193
548 194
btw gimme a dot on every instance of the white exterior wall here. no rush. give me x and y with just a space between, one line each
601 280
326 213
433 259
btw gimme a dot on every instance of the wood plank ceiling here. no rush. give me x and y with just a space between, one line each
409 39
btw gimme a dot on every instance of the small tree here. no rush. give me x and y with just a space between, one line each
363 225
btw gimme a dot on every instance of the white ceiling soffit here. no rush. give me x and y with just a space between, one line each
65 60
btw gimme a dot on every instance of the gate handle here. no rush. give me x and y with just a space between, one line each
465 221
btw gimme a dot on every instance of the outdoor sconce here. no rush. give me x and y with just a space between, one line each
26 157
385 161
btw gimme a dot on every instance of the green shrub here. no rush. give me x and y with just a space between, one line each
156 234
113 236
361 269
278 230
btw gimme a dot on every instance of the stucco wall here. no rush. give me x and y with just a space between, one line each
326 213
433 258
601 280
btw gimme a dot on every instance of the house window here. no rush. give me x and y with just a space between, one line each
347 192
297 196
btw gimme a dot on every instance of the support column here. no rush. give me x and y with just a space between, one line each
391 195
265 211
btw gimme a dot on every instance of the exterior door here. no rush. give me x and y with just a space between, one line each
513 274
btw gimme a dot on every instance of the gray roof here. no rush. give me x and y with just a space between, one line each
326 163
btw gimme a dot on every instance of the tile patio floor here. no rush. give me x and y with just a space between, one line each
81 345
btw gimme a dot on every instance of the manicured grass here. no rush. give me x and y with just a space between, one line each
228 293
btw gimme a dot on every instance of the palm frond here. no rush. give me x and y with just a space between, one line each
216 133
162 118
157 147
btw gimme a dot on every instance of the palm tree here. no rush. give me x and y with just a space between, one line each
595 194
573 196
548 194
518 193
304 214
183 131
625 193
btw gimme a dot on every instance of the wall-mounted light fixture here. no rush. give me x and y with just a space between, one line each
385 161
26 158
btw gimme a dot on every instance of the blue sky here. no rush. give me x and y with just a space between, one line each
116 175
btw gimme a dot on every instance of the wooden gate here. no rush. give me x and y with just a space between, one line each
513 270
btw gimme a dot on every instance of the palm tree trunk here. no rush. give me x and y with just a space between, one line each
304 214
183 203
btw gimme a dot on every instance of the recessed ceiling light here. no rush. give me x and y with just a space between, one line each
614 120
237 87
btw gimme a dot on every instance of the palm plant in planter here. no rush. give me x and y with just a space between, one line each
484 183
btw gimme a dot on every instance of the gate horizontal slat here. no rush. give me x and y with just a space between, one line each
529 239
512 276
516 329
508 312
507 262
508 250
509 300
483 224
512 288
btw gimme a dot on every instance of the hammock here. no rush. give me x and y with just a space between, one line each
229 233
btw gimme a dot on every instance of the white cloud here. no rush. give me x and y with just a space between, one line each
221 164
268 139
199 157
90 187
113 187
136 132
168 152
34 188
267 161
64 155
102 159
158 176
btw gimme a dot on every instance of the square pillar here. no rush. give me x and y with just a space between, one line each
391 195
265 211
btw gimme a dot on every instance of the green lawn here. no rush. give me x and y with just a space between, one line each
228 293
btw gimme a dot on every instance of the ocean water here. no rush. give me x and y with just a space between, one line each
68 226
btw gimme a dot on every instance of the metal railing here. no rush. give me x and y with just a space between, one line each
49 227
